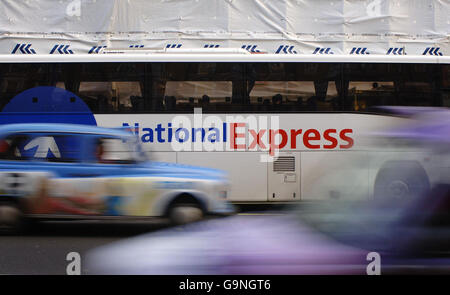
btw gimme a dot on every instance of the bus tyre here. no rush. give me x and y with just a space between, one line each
401 181
11 218
185 213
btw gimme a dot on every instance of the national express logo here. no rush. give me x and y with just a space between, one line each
241 136
197 132
240 133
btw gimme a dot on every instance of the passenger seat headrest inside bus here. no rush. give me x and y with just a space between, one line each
277 99
205 98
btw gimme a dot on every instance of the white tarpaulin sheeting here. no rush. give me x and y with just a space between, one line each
275 26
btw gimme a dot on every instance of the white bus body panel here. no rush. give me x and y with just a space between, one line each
247 174
320 174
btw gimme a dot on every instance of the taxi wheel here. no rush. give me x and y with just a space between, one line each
11 218
185 213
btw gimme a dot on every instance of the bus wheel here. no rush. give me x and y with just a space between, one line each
402 181
11 218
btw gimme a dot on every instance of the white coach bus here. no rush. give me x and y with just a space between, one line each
321 104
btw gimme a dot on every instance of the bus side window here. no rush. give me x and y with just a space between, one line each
228 87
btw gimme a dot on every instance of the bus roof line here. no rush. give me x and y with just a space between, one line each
172 57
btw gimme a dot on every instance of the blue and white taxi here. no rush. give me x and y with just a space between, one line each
79 171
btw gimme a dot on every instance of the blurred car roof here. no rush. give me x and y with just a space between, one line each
407 111
64 128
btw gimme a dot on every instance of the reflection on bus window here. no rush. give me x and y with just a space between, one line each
186 95
367 94
294 95
111 96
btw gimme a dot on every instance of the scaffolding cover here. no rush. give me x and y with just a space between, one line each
414 27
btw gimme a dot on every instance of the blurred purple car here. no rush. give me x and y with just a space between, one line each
314 240
237 245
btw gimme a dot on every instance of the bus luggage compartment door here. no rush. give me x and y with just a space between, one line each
284 177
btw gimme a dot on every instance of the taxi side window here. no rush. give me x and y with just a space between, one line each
40 147
10 147
61 148
112 151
